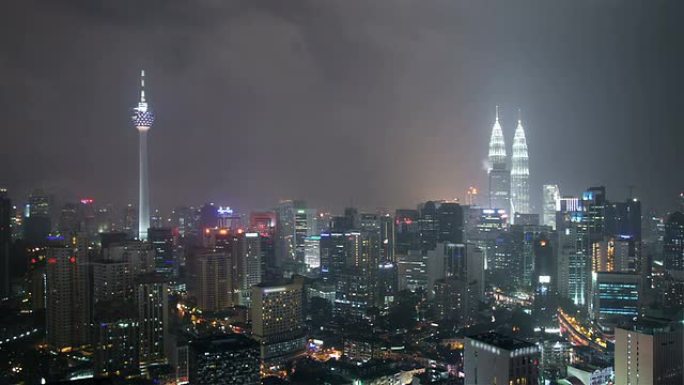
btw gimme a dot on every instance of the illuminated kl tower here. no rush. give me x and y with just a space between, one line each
143 119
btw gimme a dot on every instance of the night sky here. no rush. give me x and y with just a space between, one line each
375 104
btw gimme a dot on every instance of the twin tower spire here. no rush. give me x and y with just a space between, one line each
509 189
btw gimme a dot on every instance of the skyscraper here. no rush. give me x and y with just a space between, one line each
673 243
67 294
497 170
520 173
143 118
551 204
277 322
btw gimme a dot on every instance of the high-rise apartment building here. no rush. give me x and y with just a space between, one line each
67 295
277 320
151 297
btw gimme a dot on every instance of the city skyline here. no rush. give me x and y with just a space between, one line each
624 128
342 192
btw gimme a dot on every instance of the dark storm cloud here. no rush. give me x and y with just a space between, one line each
380 103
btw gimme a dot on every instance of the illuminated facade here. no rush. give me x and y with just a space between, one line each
520 173
277 320
143 118
497 170
551 204
151 295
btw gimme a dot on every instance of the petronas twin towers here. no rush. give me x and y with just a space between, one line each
509 189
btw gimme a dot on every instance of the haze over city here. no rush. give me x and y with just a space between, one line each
343 192
376 105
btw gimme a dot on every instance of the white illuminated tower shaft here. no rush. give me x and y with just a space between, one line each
144 191
143 120
497 170
520 172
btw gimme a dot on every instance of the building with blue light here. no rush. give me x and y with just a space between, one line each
616 296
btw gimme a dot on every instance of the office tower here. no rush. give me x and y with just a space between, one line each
504 267
475 268
615 254
151 297
208 216
184 219
649 354
497 171
312 252
594 204
387 237
449 299
285 230
492 358
450 223
67 294
104 220
139 254
427 225
262 221
248 266
412 270
304 227
623 219
386 285
130 221
87 217
37 223
458 292
277 321
544 278
111 280
616 297
69 222
522 237
162 243
228 219
211 280
333 249
407 230
224 360
5 243
572 267
482 228
551 204
369 222
353 294
520 173
673 244
116 334
143 118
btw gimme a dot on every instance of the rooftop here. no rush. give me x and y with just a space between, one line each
501 341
